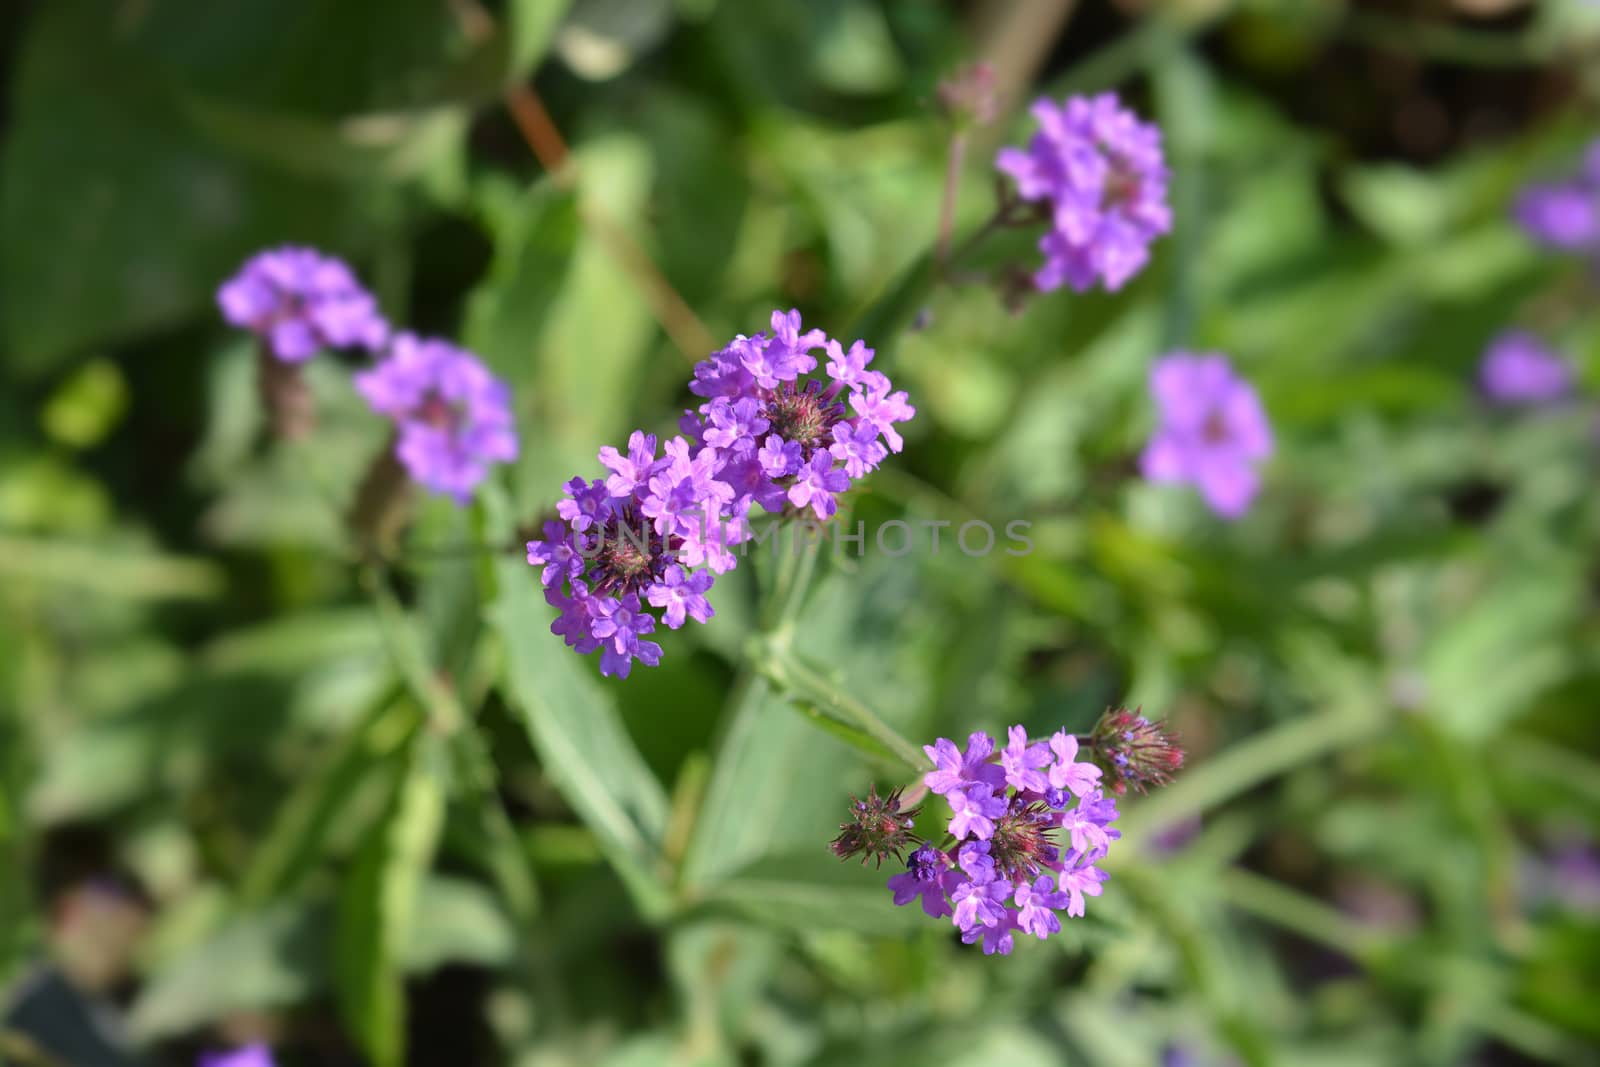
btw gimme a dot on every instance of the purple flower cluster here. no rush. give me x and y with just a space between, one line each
247 1056
300 301
782 439
1029 824
653 533
452 417
1103 176
1212 431
1565 214
1518 369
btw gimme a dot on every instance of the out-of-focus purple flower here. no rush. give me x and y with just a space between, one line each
1518 369
299 301
1565 214
247 1056
1004 870
453 417
1212 431
1102 174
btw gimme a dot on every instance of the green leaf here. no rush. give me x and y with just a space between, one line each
118 217
377 908
270 959
573 723
532 27
286 856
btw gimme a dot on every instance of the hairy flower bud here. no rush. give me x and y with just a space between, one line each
1133 751
877 828
970 97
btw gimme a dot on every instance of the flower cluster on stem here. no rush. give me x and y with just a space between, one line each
1029 825
652 535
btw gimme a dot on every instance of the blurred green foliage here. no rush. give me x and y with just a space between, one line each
384 802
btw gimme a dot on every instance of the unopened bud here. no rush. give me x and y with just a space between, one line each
1135 752
877 828
969 96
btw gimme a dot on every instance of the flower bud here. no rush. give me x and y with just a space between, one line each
1133 751
877 828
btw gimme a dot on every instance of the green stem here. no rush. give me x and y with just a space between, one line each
779 665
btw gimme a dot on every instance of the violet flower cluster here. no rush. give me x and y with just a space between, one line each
452 417
300 301
652 536
1029 825
1519 369
246 1056
1212 431
1102 175
1565 214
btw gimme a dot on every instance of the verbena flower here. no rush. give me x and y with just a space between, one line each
1518 368
247 1056
1565 214
453 418
782 439
300 301
1012 861
659 528
1211 432
626 543
1102 175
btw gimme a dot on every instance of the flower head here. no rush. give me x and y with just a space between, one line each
299 301
1565 214
1003 869
1102 176
247 1056
781 439
453 417
1211 432
1519 369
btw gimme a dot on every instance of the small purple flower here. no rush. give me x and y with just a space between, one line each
953 770
453 416
976 807
1089 824
683 489
1212 431
975 861
779 458
299 301
1022 761
247 1056
620 624
1035 902
1518 369
816 485
585 504
980 904
1079 881
924 877
1563 215
881 409
556 553
858 448
1077 778
848 368
1104 178
996 939
633 470
682 595
735 425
